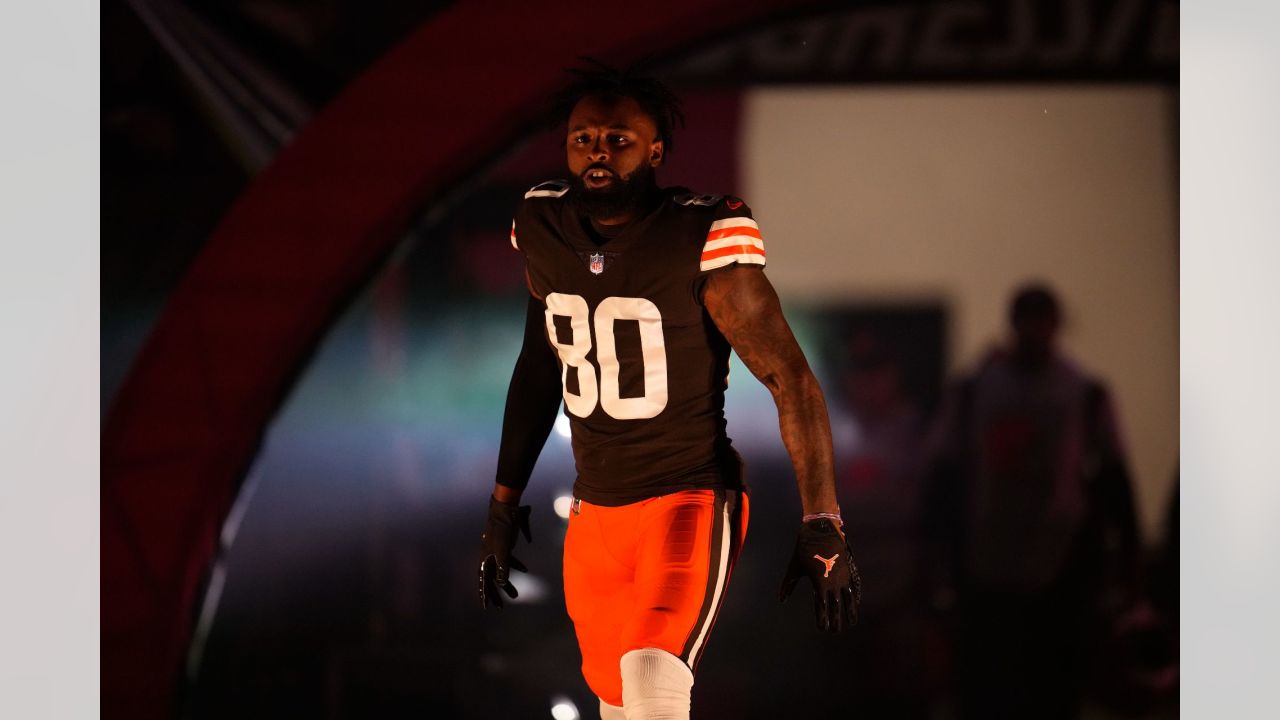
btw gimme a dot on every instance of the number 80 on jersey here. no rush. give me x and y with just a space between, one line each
607 393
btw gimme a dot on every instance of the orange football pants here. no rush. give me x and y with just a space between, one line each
651 574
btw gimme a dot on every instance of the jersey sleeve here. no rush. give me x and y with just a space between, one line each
517 222
733 237
548 189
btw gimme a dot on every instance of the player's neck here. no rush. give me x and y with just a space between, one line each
611 223
608 230
614 221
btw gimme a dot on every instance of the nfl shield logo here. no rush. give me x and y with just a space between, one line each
597 263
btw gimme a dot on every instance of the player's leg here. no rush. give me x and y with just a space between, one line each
598 589
656 685
688 544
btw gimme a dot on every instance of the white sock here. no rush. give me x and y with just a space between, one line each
655 685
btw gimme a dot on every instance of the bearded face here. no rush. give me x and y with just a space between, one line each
619 197
612 149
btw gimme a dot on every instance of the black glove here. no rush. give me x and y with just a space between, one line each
496 560
822 554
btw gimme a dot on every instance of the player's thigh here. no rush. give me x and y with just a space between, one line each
687 547
599 592
598 563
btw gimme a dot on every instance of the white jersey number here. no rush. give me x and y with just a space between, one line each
607 393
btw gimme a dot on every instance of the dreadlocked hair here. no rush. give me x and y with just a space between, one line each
600 80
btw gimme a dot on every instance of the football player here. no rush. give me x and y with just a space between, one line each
636 296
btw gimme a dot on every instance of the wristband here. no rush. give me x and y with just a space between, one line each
834 517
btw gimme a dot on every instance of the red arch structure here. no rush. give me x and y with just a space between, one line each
287 258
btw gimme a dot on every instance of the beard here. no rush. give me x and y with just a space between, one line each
623 195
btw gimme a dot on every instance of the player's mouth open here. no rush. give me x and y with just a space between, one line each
598 177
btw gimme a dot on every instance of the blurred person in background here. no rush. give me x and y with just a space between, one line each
895 661
1031 508
637 295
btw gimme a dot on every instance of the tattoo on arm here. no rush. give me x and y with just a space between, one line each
745 307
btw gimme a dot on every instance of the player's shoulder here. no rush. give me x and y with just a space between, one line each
539 205
722 215
544 196
542 200
547 190
713 206
726 232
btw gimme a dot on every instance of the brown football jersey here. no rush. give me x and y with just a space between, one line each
643 367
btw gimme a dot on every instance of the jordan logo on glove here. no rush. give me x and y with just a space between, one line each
829 563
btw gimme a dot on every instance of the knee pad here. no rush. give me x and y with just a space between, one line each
655 685
611 712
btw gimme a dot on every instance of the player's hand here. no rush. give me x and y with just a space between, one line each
823 556
496 561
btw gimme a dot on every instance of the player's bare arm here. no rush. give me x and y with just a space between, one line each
744 306
742 303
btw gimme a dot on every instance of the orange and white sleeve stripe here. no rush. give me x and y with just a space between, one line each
513 235
733 240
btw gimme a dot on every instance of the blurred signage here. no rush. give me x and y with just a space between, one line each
959 40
